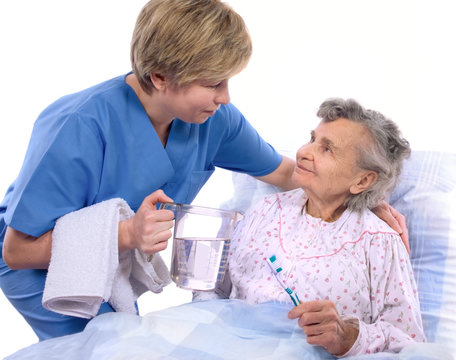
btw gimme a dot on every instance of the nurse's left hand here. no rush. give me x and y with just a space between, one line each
149 229
395 220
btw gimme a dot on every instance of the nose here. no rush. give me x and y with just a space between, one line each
305 152
222 95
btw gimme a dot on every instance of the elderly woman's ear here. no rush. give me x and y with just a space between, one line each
363 182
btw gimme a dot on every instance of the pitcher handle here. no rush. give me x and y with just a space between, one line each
170 206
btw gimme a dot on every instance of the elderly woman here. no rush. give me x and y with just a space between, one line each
350 270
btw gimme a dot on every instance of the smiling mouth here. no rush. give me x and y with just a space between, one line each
303 169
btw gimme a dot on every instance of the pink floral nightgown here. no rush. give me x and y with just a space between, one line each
358 262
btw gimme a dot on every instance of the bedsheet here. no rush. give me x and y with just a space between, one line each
214 329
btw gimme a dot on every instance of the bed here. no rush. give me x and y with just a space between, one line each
231 329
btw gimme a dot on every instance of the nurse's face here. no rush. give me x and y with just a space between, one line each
196 102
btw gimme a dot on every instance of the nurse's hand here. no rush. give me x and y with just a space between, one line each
149 229
395 220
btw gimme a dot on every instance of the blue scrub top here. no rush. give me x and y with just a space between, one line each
99 144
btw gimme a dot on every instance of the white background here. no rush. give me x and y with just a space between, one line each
395 56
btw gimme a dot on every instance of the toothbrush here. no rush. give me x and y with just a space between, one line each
276 269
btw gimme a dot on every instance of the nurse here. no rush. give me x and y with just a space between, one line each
152 135
148 136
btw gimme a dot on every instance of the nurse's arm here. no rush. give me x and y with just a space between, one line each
281 176
22 251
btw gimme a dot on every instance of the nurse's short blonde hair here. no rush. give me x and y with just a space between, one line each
188 40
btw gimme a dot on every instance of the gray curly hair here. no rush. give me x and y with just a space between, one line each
384 154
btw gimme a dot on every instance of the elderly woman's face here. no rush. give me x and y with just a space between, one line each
326 166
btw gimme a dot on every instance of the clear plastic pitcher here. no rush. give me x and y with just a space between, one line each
200 246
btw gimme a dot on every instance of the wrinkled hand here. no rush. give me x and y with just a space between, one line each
395 220
323 326
149 229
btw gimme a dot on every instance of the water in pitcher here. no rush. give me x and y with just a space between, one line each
199 263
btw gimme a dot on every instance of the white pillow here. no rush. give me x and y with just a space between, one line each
426 195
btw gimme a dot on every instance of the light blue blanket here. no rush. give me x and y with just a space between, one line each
216 329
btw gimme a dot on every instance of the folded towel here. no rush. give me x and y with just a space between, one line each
86 269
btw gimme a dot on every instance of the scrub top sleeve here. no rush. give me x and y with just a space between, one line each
243 149
60 177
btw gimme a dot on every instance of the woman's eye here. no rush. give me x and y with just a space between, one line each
326 147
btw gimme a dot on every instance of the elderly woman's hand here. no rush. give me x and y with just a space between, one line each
323 326
395 220
149 229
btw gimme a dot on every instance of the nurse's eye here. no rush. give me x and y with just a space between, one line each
210 84
215 86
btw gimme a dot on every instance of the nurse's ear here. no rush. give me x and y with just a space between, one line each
160 81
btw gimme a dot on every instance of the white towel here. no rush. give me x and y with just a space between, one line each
85 267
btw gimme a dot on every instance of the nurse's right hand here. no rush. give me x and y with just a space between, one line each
149 229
